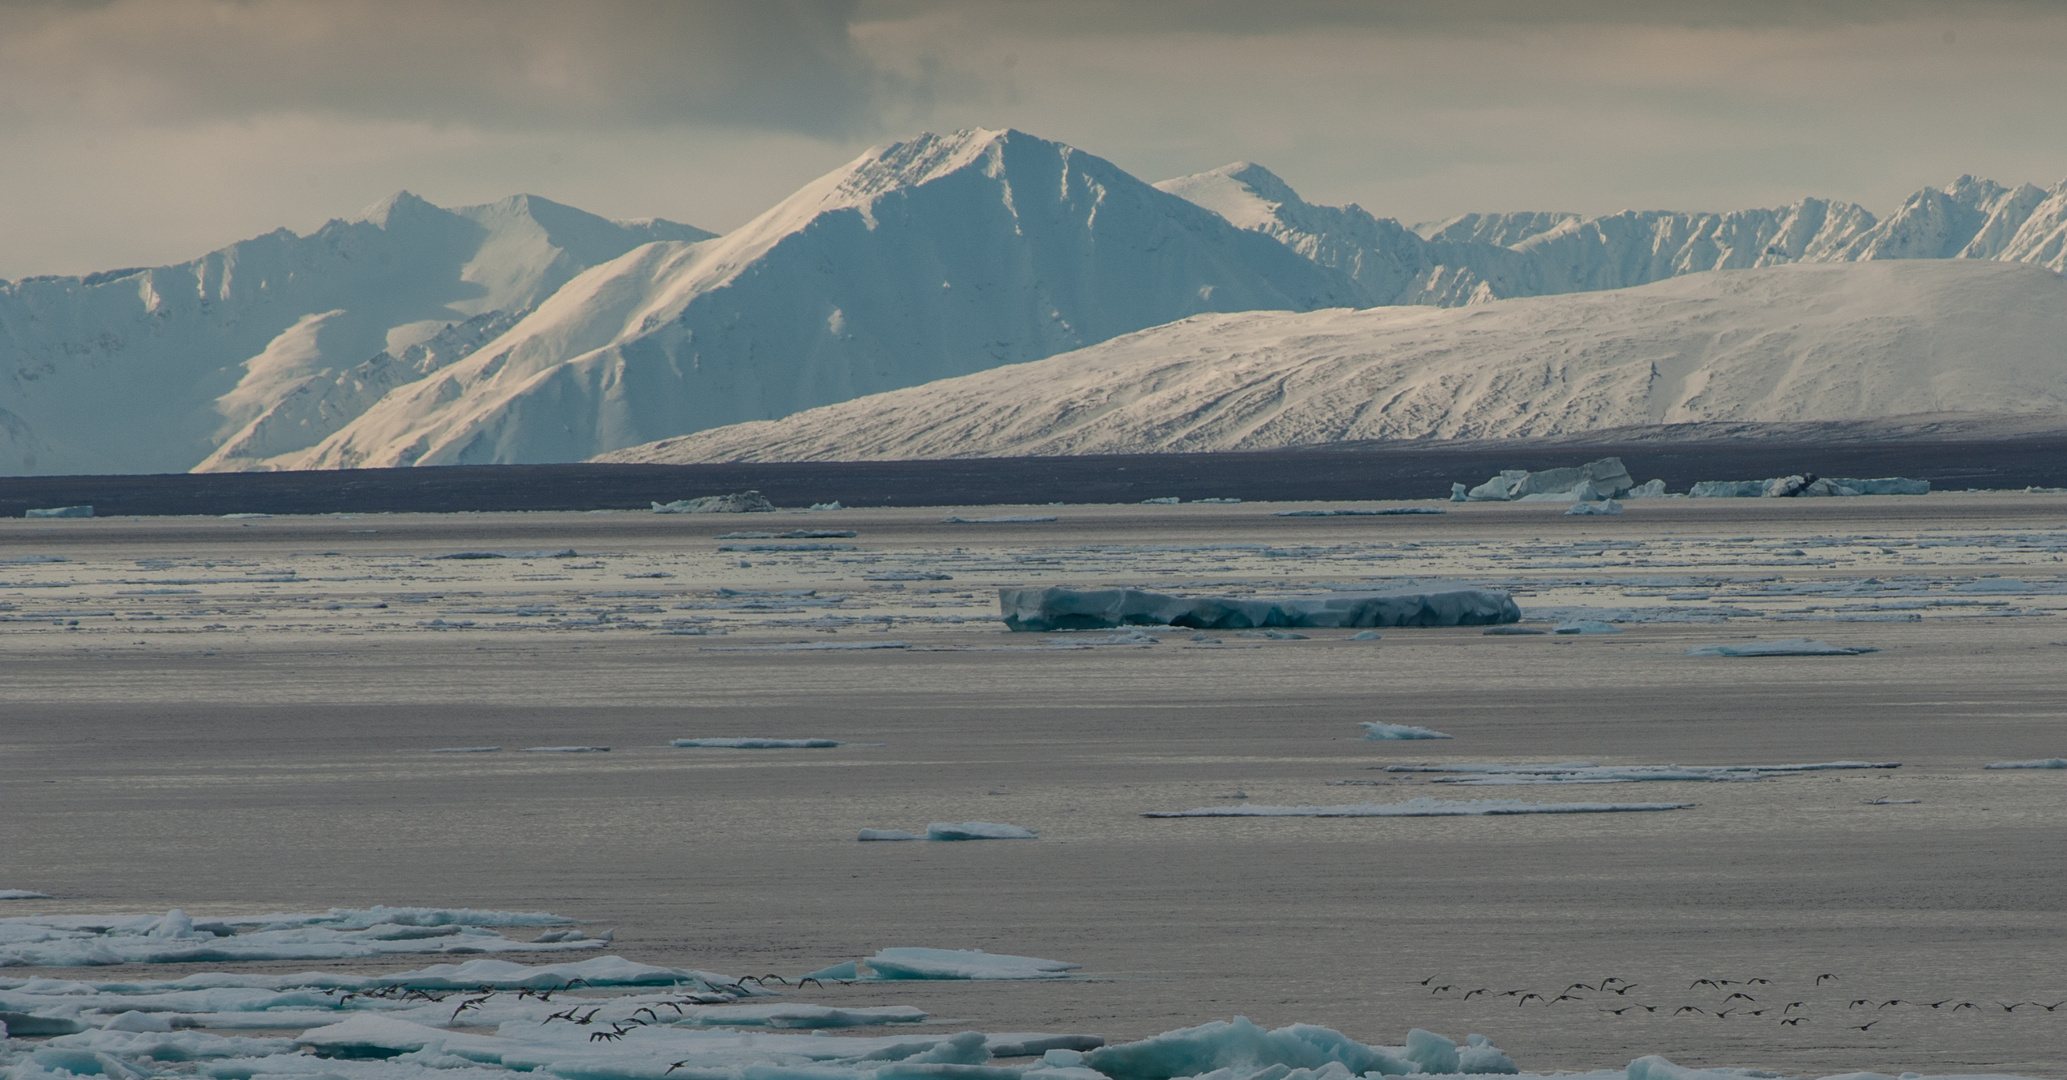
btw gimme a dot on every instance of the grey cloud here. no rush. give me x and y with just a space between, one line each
788 65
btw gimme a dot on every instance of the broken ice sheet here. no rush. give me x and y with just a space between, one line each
1421 807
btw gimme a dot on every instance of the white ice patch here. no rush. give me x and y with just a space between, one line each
1420 807
1585 772
919 963
2041 763
977 830
1784 647
755 744
83 940
1381 731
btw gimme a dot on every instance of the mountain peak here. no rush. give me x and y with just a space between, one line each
402 203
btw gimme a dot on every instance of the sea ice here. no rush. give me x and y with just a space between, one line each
1387 511
1085 609
788 1015
81 940
1478 774
1419 807
919 963
1591 482
1584 508
1381 731
1807 485
1783 647
739 502
22 894
1009 519
977 830
1363 635
756 744
562 553
1240 1050
2042 763
60 512
565 750
887 834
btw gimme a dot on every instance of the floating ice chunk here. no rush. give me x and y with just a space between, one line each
1131 637
1363 635
790 1015
125 1037
811 646
1609 507
847 971
1420 807
60 512
1727 489
1479 774
920 963
1166 500
1479 1056
977 830
1066 1049
1242 1046
1783 647
1807 485
565 750
562 553
2041 763
26 1026
1892 802
1381 731
756 744
1010 519
1384 511
244 517
1432 1052
1649 489
465 750
1591 482
887 834
1586 626
77 940
741 502
22 894
1085 609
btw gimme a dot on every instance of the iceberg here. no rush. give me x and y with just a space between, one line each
1058 608
739 502
919 963
60 512
755 744
1592 482
1783 647
977 830
1419 807
1381 731
2041 763
1807 485
1581 509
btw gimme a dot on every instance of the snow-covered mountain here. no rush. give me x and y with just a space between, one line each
265 346
922 260
1810 342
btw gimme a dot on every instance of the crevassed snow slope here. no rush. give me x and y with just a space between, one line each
925 259
1808 342
156 369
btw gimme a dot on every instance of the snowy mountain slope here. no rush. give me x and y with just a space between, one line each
923 260
151 369
1794 343
1482 257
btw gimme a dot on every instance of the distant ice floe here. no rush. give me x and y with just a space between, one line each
811 646
1382 731
60 512
799 1016
1807 485
1056 608
954 830
1238 1049
1009 519
741 502
22 894
918 963
1595 481
565 750
1477 774
1581 509
562 553
1382 511
1784 647
755 744
1421 807
2041 763
341 933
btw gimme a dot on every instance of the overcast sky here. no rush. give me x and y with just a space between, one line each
138 132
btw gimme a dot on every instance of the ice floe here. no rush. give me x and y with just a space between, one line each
565 750
175 937
1380 731
1807 485
1586 772
739 502
1581 509
1592 482
561 553
1783 647
887 834
978 830
2041 763
1382 511
755 744
1059 608
1008 519
920 963
1419 807
22 894
59 512
1585 626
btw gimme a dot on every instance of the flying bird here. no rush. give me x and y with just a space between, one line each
1525 998
1740 994
1469 993
1689 1009
1794 1021
1820 978
1793 1005
1867 1024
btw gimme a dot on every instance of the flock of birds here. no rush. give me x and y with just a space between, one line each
1739 1002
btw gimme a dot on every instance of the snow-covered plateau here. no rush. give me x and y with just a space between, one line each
1791 343
527 331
